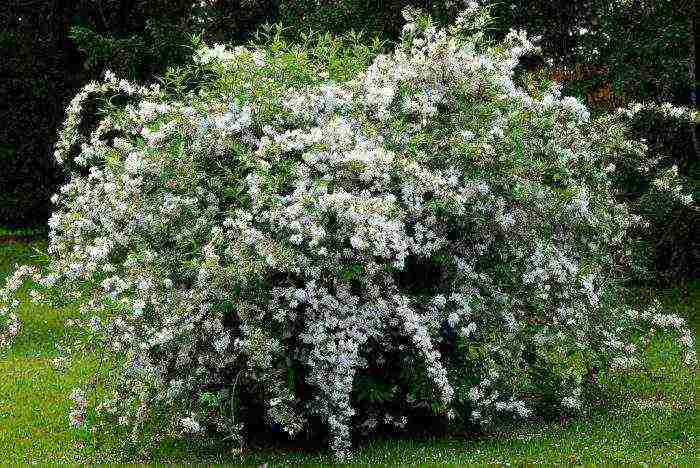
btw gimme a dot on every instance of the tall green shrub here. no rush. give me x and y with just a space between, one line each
320 235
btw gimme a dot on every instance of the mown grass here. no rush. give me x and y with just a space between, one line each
650 416
22 233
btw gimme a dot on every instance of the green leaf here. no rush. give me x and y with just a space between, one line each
208 399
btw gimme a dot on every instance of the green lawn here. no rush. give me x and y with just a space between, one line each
649 417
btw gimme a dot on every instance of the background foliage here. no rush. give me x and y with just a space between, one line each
52 48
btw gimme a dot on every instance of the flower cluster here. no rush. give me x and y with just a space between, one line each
271 227
77 413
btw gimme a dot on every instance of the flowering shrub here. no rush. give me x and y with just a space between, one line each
300 221
669 133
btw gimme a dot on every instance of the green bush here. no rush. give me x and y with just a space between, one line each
631 50
315 235
674 231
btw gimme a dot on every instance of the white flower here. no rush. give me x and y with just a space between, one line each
139 305
221 344
469 330
134 163
95 323
190 425
439 301
475 394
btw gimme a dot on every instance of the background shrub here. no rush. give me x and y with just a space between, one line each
674 234
39 74
611 54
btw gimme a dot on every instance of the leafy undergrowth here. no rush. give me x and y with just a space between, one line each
647 416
